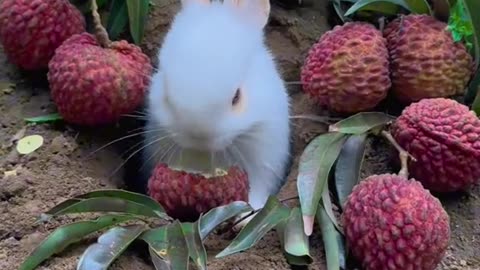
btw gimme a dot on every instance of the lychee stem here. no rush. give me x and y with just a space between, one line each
403 154
100 31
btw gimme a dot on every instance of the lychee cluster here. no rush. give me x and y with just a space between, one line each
352 67
93 81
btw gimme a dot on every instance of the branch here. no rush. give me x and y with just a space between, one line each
403 154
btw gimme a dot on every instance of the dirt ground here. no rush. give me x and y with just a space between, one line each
62 167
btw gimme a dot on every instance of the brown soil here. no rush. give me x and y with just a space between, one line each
60 168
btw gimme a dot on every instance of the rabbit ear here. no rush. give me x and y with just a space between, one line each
256 10
187 2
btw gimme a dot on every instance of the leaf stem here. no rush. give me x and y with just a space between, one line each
403 154
100 31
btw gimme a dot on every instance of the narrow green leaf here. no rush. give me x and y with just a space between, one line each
315 164
370 4
137 14
265 220
419 6
109 200
349 163
333 242
337 5
169 247
293 239
105 205
218 215
361 122
117 19
328 206
44 118
196 249
109 246
66 235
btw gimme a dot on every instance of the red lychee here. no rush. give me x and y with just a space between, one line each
347 70
31 30
444 137
394 223
93 85
186 195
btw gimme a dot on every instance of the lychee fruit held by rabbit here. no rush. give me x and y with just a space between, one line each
218 90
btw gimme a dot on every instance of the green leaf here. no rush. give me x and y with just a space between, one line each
266 219
419 6
313 172
361 122
196 249
293 239
218 215
472 8
387 7
349 163
169 249
109 246
328 206
66 235
460 25
333 242
117 19
44 118
111 201
137 14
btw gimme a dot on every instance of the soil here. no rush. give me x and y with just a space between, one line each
64 167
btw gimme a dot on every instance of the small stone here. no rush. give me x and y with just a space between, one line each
12 186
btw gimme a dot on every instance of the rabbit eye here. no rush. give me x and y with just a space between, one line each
236 98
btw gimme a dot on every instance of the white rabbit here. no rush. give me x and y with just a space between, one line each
218 90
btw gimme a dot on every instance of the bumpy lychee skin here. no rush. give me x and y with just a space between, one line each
92 85
186 195
444 136
425 60
31 30
347 70
394 223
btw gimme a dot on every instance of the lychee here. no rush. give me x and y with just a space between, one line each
444 137
425 61
31 30
186 195
94 85
394 223
347 70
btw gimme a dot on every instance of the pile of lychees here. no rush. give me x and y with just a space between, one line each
392 221
92 80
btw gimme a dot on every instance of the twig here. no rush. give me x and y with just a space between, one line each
100 32
403 154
